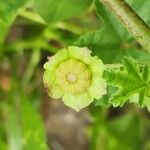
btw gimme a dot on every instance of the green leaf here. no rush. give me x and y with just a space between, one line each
24 125
109 21
8 12
112 42
109 48
132 67
103 43
3 145
105 100
113 133
129 81
120 128
56 10
32 127
13 128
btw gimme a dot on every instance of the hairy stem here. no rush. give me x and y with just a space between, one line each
129 18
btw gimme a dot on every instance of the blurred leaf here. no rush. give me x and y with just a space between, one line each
13 128
99 116
8 12
32 127
126 132
25 130
56 10
129 131
3 145
3 142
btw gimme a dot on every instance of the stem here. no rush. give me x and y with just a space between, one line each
31 66
31 16
130 19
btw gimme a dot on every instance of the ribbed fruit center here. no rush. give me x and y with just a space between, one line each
73 76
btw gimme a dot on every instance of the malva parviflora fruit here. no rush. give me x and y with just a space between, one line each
75 76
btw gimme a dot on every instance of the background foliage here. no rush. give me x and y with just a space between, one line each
32 30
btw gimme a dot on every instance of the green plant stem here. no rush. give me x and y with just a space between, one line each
31 16
129 18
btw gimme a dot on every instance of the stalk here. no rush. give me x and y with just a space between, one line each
131 20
